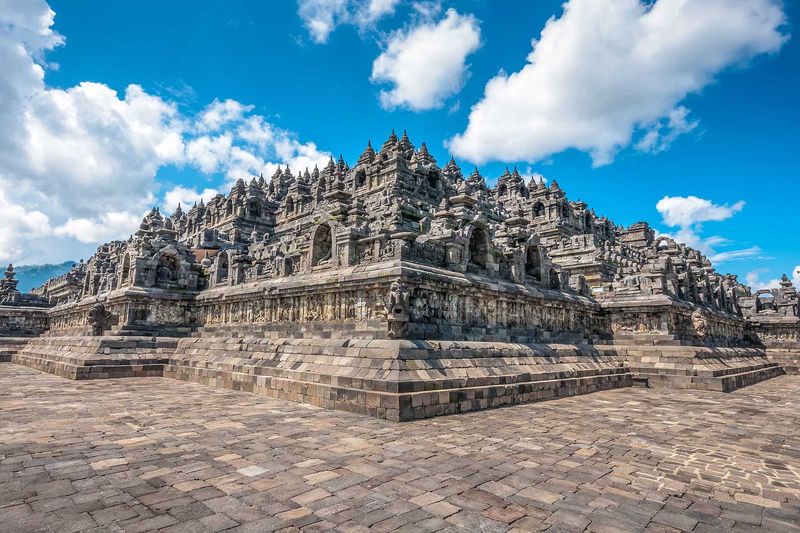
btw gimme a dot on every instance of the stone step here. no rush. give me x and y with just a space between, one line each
723 383
151 331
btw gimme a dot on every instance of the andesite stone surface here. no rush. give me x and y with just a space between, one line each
401 289
147 454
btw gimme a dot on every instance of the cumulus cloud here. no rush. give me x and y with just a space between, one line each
250 146
322 17
108 226
83 160
104 150
661 135
690 210
220 113
753 279
607 71
426 63
209 152
186 197
73 154
688 213
18 224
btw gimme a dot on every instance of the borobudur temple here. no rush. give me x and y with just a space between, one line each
401 289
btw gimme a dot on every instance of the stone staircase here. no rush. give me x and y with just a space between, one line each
396 379
149 331
97 357
676 365
10 346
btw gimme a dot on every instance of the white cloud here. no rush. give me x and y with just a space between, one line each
753 279
688 210
688 213
209 153
608 70
322 17
109 226
19 224
662 134
374 10
732 255
186 197
426 63
69 153
256 131
252 147
84 160
220 113
104 150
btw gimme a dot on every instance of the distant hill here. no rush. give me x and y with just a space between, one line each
31 276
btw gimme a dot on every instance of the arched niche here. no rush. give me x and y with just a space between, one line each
361 178
765 301
538 210
479 248
126 269
321 245
661 244
221 271
533 263
254 209
167 268
555 281
433 179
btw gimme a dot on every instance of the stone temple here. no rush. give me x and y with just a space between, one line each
401 289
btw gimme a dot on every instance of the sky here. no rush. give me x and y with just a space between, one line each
682 113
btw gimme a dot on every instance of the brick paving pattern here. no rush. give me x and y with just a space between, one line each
146 454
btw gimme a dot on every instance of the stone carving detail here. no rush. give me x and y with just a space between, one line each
100 319
699 324
397 306
315 251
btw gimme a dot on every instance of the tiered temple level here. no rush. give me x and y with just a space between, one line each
441 273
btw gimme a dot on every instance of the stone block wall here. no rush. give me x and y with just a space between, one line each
18 321
96 357
692 324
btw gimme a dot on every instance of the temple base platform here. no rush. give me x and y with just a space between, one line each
659 362
396 380
96 357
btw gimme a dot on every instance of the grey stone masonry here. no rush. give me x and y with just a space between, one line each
401 289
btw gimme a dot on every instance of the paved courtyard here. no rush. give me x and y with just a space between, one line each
157 454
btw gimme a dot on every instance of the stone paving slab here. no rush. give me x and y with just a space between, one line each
147 454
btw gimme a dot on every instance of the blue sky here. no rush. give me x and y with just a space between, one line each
314 72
